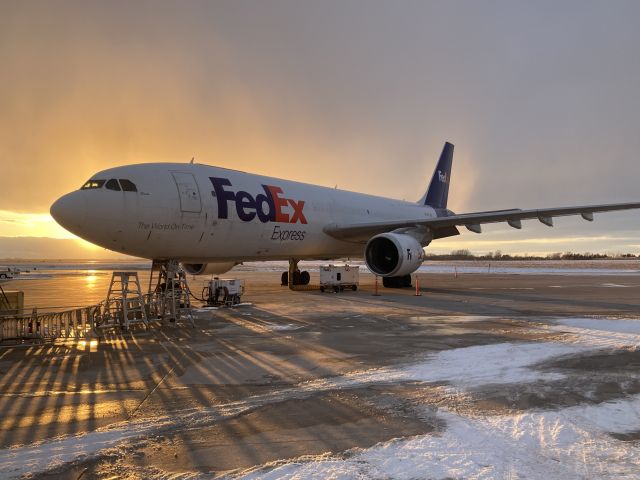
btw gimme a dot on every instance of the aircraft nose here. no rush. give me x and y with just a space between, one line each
69 211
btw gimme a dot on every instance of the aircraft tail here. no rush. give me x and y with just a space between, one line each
438 192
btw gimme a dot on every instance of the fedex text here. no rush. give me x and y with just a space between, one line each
268 206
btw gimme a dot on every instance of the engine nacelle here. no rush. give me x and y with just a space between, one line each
215 268
393 254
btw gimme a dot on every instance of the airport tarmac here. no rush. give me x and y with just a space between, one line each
482 376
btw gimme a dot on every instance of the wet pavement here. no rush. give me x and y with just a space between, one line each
298 375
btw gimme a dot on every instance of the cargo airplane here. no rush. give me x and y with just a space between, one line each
210 219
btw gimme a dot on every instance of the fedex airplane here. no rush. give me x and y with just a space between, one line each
210 219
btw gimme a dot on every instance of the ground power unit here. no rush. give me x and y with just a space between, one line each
223 291
339 277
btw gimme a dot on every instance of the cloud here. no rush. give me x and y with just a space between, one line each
14 224
540 99
541 245
51 248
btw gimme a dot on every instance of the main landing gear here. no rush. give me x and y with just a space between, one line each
294 276
397 282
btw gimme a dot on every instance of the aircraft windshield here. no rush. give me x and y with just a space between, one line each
128 185
112 184
91 184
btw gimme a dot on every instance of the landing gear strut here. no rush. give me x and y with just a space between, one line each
294 276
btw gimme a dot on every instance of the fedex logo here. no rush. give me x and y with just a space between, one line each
270 206
442 177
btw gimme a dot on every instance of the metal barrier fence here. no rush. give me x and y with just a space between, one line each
48 326
120 311
88 321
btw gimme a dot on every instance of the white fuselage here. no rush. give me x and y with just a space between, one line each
179 213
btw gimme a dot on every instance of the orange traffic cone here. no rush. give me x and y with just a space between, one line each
375 288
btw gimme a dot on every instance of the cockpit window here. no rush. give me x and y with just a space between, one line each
91 184
112 184
128 185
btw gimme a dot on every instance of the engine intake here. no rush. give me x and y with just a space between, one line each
215 268
393 254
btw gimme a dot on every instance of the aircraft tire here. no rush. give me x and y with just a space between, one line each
397 282
284 279
390 282
305 278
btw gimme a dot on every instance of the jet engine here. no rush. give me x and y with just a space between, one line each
393 254
215 268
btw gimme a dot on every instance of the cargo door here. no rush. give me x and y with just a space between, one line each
188 191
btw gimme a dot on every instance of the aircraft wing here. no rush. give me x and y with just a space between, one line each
448 221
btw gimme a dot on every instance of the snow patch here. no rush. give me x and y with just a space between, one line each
564 444
522 270
204 309
569 443
604 324
50 454
594 333
279 328
532 444
489 364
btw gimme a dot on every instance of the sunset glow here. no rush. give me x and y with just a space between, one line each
14 224
293 93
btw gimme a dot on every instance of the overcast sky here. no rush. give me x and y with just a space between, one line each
540 98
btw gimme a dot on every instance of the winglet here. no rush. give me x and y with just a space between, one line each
438 191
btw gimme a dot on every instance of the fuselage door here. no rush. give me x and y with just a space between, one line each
188 191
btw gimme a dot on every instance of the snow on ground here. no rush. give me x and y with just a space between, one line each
50 454
558 444
601 333
464 367
523 270
280 327
204 309
500 363
565 443
544 267
583 325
